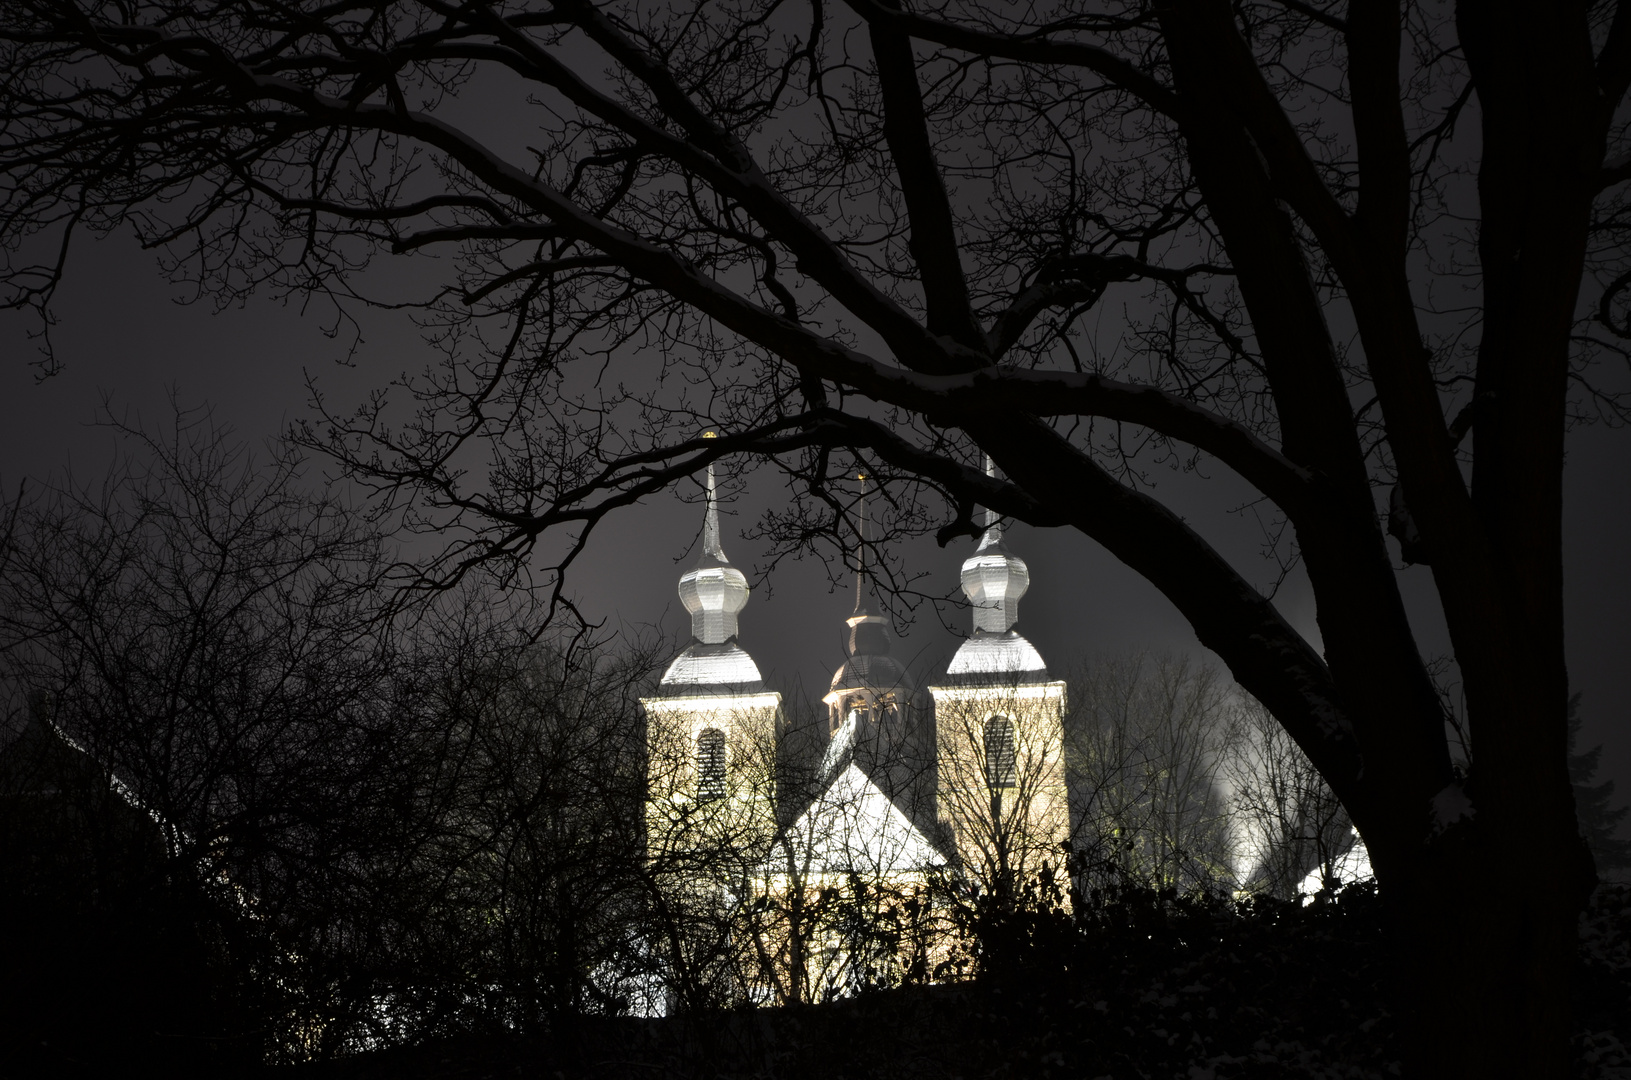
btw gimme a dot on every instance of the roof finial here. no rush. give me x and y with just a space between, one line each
868 631
711 549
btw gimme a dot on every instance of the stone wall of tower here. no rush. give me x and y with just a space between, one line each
684 812
1006 818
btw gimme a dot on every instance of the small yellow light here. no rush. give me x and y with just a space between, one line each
860 476
710 434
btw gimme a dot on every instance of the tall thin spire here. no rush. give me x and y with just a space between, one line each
868 630
863 593
710 524
993 520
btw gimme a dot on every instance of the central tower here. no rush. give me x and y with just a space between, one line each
872 719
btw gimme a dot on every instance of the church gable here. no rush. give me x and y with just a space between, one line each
854 828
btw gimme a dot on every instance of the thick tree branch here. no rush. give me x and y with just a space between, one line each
1053 394
1198 28
1114 69
933 240
1373 35
1615 170
1265 655
741 177
797 344
817 255
1614 61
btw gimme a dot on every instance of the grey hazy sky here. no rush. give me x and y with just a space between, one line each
123 336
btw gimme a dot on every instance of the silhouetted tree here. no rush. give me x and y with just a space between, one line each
206 675
361 825
1287 821
1146 739
105 955
1599 818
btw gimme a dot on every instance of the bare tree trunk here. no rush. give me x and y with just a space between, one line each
1484 959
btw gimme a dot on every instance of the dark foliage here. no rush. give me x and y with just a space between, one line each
1594 803
110 959
109 950
1142 985
1146 984
1602 989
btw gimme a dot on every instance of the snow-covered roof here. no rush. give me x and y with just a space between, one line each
725 667
991 657
853 827
1353 865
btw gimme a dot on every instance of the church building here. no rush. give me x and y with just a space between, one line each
957 786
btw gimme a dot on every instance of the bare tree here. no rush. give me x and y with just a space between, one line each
197 628
1146 738
888 233
1287 821
393 824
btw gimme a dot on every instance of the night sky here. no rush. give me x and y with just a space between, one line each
123 335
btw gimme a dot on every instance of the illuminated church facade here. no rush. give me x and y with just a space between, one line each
908 792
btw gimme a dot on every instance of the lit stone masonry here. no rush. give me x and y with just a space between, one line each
999 733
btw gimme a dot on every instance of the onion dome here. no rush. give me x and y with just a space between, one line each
994 579
869 665
714 592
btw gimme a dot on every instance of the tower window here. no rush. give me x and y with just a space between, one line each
710 765
999 752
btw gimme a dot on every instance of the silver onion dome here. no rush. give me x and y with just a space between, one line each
715 591
868 664
994 579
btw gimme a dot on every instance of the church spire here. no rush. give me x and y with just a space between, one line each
869 634
994 578
710 524
715 592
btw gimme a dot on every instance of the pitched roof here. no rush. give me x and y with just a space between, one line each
853 827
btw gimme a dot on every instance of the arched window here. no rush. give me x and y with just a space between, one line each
999 752
710 765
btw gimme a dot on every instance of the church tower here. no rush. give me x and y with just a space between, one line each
999 732
871 716
711 727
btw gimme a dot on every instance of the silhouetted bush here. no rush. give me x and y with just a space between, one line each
1138 983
